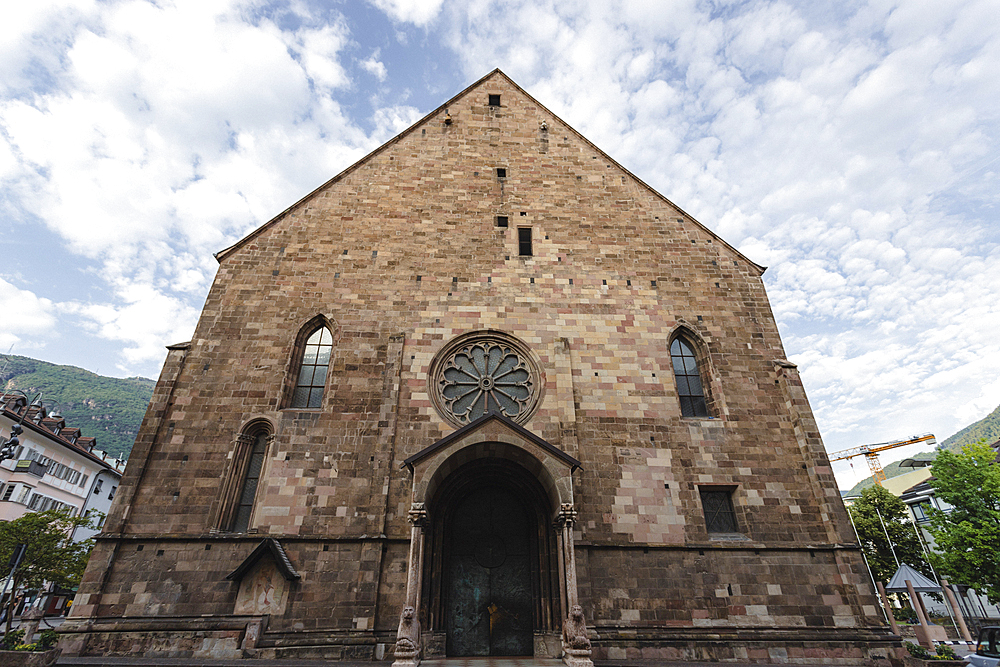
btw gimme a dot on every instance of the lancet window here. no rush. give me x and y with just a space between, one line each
313 367
690 390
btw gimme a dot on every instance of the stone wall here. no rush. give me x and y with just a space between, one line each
400 254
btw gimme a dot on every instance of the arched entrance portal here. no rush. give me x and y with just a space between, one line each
489 484
493 570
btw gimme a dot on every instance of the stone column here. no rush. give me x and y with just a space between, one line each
576 644
407 651
957 612
422 518
567 517
561 564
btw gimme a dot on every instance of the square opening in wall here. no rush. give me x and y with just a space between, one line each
501 172
494 100
524 241
501 221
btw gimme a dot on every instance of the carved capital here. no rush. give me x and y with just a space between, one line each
566 515
244 439
417 516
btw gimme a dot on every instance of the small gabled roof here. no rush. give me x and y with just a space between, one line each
272 547
921 584
222 254
559 454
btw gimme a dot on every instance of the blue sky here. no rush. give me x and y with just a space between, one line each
851 148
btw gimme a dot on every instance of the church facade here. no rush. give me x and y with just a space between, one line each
487 374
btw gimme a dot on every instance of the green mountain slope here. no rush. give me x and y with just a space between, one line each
987 428
109 409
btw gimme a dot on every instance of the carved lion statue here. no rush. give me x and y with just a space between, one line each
575 630
408 634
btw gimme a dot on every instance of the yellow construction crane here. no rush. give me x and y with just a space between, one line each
870 452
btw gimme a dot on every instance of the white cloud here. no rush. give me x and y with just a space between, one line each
850 153
149 157
417 12
374 66
27 319
142 318
851 150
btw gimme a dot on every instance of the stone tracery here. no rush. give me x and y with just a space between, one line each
483 373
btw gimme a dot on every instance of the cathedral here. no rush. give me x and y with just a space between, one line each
485 392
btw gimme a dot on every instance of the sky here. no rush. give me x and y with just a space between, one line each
851 147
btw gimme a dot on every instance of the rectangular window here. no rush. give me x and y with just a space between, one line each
111 494
718 505
501 221
35 500
83 481
494 100
9 491
920 511
524 241
98 486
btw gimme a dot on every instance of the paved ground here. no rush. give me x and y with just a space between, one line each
449 662
55 622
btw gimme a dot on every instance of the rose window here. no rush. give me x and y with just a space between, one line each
485 374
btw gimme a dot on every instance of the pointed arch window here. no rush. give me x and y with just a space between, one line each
242 480
690 390
251 480
308 392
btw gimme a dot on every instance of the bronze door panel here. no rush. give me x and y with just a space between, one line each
488 589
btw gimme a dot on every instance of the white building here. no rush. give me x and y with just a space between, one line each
54 466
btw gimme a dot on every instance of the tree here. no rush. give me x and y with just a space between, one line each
865 512
968 535
51 554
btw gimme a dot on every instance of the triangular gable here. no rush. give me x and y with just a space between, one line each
277 552
557 453
921 584
222 254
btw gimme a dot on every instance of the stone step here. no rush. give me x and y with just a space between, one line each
139 661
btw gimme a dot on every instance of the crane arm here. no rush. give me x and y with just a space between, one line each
868 450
